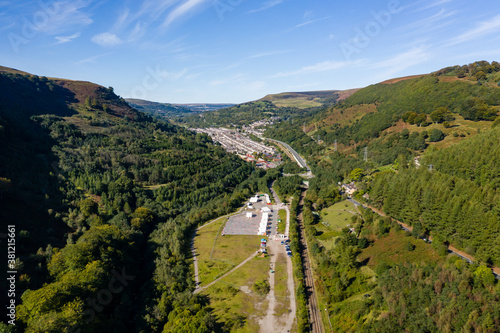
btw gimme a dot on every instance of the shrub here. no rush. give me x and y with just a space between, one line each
262 287
436 135
410 247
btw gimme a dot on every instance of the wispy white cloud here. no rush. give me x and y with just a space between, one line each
425 4
8 26
402 61
268 54
308 13
107 39
432 20
429 25
312 21
66 39
482 29
68 15
123 20
266 6
317 68
92 60
185 9
137 32
173 75
236 78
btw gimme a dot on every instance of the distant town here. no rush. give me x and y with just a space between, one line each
233 141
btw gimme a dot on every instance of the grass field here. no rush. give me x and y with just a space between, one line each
234 301
228 251
280 287
282 224
232 298
459 126
392 249
333 219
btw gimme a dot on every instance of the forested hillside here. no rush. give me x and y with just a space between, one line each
242 114
104 200
158 110
425 151
457 199
476 159
474 97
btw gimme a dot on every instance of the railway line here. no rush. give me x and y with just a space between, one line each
316 325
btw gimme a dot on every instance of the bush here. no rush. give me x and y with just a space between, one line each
363 243
436 135
382 268
410 247
262 287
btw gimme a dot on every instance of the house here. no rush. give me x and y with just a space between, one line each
349 189
254 199
268 200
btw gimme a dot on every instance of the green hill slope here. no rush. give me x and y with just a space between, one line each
303 100
159 110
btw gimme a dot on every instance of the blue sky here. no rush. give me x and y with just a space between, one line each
187 51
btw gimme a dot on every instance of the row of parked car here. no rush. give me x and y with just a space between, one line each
286 243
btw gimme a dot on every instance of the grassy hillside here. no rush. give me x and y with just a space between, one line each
158 110
24 95
303 99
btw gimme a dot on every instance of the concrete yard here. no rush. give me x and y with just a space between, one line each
240 224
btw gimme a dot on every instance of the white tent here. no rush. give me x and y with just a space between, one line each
254 199
266 209
249 215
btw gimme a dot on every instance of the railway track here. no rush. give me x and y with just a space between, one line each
316 324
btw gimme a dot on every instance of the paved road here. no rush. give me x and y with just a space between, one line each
312 303
300 161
